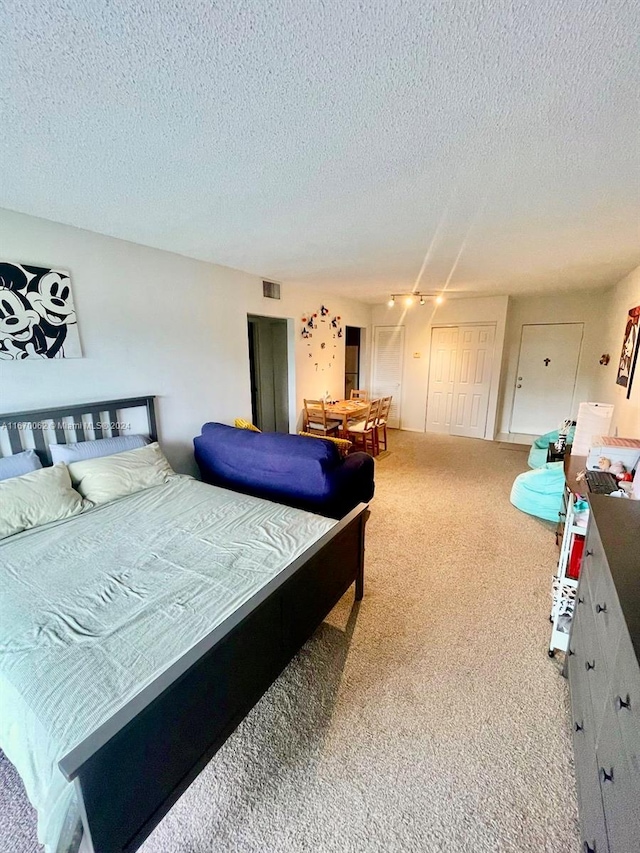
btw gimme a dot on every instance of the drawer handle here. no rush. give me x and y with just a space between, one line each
571 652
606 777
622 703
589 665
588 552
601 608
580 600
579 727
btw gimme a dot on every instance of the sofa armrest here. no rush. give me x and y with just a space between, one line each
353 482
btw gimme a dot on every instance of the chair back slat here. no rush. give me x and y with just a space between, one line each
385 408
315 412
372 414
359 394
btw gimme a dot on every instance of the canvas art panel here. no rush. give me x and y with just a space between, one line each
37 314
629 354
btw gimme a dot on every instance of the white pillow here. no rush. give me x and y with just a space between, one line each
110 477
37 498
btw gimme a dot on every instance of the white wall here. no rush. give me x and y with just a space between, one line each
617 302
579 307
418 321
152 322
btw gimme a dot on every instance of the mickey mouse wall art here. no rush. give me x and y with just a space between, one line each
37 314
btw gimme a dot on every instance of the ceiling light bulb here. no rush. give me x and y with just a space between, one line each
409 300
421 299
391 302
439 300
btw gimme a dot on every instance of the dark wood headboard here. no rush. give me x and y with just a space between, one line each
66 424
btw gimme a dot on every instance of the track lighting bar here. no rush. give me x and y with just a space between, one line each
410 298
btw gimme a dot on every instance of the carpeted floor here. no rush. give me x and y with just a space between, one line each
429 718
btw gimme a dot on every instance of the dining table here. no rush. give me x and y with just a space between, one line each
347 410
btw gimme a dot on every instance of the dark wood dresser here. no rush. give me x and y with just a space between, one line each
604 678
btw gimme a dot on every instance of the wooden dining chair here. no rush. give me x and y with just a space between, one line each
365 433
359 394
317 420
381 423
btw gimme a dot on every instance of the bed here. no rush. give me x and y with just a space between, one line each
138 635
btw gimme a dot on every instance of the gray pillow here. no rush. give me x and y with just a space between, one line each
81 450
19 464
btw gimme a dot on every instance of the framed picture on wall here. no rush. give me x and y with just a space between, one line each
629 354
37 314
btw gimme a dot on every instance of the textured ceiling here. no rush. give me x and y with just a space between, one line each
335 143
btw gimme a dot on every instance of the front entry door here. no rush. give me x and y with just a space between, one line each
546 377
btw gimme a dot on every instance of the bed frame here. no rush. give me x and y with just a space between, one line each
132 769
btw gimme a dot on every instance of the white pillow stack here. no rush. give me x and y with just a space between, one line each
48 494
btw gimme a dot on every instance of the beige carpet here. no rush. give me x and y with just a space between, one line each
430 717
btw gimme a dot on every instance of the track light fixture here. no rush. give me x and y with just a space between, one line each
410 298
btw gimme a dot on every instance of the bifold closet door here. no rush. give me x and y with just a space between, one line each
442 375
388 352
472 383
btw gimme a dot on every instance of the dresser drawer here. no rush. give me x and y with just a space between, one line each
581 704
609 618
624 700
592 820
593 559
620 789
597 669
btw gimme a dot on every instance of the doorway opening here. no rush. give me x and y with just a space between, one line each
269 372
353 343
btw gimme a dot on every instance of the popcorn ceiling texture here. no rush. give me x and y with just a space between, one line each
427 720
326 142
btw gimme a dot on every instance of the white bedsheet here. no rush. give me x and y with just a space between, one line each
92 609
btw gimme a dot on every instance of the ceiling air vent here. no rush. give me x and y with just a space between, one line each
271 290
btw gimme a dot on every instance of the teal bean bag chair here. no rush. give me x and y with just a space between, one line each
539 492
538 452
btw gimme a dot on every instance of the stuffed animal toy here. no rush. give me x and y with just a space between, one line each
604 464
617 469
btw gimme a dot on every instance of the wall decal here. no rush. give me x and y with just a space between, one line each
37 314
326 328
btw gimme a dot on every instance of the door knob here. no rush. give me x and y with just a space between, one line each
518 385
519 378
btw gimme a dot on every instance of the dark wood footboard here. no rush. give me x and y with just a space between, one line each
131 770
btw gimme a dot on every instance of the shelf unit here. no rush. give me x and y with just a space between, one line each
563 587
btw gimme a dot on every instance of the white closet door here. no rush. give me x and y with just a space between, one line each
473 381
388 354
442 371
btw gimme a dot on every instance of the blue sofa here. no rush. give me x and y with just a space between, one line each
295 470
